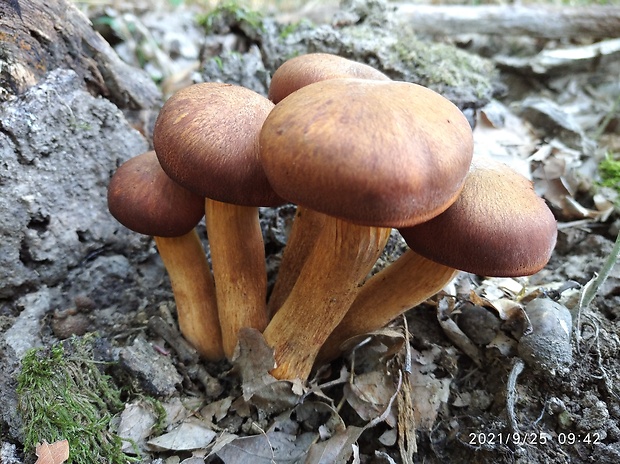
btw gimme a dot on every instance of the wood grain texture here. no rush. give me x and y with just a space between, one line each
37 37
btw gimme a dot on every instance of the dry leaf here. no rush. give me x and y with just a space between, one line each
503 136
454 332
428 393
54 453
370 393
272 446
190 435
336 450
253 360
136 423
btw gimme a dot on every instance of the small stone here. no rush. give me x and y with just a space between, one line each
478 323
69 323
154 372
548 347
594 418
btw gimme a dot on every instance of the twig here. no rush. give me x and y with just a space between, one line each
388 408
511 394
407 363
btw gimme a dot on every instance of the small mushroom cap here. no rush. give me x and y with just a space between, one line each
206 139
314 67
377 153
498 226
144 199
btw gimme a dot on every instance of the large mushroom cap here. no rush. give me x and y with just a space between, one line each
314 67
498 226
144 199
206 139
378 153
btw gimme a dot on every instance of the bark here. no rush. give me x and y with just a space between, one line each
37 37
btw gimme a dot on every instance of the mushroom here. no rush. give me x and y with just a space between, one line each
144 199
294 74
315 67
206 138
368 155
497 227
509 231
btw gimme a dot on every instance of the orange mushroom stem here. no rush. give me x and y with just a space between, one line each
340 260
144 199
206 138
497 227
407 282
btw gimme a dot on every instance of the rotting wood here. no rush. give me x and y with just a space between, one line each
545 22
39 36
535 21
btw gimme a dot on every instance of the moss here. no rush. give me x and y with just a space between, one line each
63 394
160 413
442 67
231 14
609 170
445 65
218 61
290 29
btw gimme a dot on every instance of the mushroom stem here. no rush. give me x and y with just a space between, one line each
306 227
238 260
405 283
194 293
341 259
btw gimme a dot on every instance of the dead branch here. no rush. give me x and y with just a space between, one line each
545 22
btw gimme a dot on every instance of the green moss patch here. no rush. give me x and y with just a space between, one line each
609 170
63 394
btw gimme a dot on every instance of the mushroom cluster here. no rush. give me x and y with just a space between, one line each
359 154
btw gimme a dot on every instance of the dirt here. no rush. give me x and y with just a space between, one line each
486 391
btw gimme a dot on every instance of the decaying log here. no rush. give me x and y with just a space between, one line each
534 21
545 22
39 36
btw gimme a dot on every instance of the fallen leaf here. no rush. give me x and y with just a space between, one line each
273 446
253 360
190 435
370 393
336 450
428 393
503 136
217 410
136 423
54 453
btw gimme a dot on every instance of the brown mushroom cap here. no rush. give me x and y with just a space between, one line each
144 199
498 226
206 139
314 67
377 153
